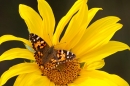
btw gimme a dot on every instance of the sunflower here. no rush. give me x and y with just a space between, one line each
73 59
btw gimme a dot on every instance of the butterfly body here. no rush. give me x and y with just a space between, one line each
45 54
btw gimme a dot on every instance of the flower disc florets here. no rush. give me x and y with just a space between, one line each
64 73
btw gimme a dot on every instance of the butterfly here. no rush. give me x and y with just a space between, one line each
45 54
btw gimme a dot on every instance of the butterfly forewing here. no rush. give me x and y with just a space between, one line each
37 42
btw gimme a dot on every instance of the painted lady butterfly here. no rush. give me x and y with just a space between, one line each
44 53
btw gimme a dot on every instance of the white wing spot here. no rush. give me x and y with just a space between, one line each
37 38
42 42
67 56
62 52
67 52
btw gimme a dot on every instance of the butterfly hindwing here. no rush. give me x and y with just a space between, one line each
64 55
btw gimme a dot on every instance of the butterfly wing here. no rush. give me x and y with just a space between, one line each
43 54
64 56
37 42
39 45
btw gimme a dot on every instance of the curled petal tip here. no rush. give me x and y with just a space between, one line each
21 5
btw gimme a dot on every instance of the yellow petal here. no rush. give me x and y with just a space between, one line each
40 81
17 53
94 65
118 80
19 80
65 20
48 20
96 82
98 78
108 49
74 27
76 38
18 69
22 78
91 14
85 79
32 19
72 84
5 38
98 34
33 79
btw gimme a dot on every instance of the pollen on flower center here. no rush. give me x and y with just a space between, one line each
63 74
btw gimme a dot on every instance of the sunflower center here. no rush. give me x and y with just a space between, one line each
64 73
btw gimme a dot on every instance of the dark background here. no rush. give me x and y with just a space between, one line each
11 23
